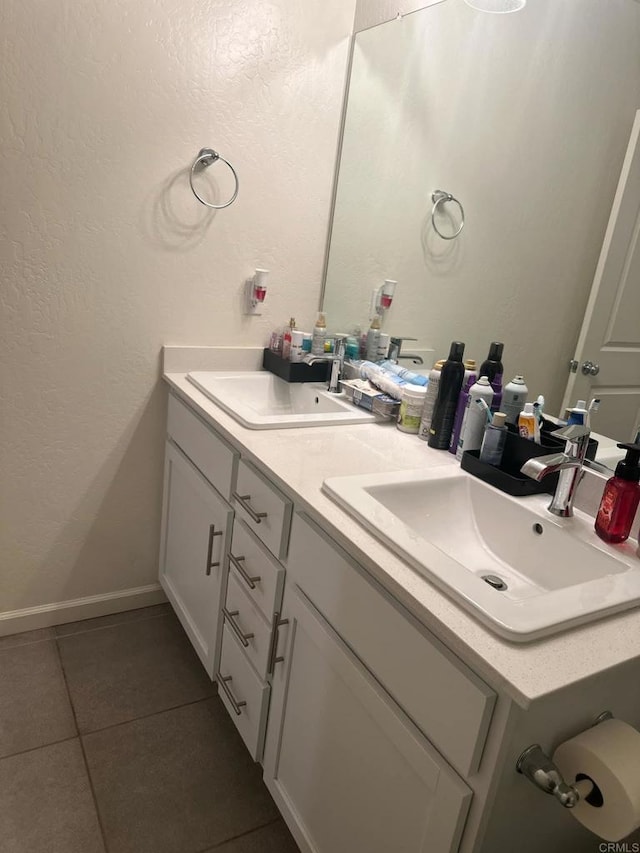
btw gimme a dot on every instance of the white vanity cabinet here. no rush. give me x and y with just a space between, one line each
253 598
345 766
368 714
196 528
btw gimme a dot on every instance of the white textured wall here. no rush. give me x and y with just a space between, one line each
525 118
105 255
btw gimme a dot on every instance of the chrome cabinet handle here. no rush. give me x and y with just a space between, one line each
237 564
212 534
228 615
273 651
223 681
243 500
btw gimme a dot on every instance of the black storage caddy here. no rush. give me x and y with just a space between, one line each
295 371
507 476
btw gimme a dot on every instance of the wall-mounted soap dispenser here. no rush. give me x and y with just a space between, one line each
382 297
255 291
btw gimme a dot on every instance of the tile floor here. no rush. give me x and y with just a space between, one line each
113 740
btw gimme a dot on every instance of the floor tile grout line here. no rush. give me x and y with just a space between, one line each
41 746
84 755
147 716
240 835
107 627
8 648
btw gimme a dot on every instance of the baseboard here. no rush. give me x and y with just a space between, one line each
59 612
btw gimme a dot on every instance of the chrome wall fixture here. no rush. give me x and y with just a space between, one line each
440 198
206 157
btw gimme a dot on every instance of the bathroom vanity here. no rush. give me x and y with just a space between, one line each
385 716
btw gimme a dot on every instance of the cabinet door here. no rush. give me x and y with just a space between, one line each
196 525
345 766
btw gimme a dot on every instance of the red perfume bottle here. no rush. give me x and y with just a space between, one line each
620 498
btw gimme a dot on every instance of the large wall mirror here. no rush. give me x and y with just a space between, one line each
525 118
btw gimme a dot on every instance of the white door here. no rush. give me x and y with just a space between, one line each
196 525
346 768
608 349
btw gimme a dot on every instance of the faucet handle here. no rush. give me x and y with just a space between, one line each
572 432
577 438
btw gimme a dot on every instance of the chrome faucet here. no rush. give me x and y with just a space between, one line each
337 362
395 354
569 465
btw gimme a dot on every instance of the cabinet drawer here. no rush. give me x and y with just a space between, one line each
257 572
264 509
244 695
251 629
448 702
209 453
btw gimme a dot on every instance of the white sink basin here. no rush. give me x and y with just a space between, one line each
457 530
260 400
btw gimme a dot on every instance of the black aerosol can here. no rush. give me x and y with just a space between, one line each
444 412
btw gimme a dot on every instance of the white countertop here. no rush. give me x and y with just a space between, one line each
299 460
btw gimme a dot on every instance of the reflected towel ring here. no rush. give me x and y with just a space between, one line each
207 156
439 197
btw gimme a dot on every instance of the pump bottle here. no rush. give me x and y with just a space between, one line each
620 498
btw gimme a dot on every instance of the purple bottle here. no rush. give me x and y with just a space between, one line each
470 377
492 368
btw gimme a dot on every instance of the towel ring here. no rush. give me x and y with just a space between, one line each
207 156
439 197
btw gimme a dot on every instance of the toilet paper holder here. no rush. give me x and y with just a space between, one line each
536 766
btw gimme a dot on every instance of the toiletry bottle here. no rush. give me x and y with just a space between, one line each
307 341
494 440
514 397
475 418
411 407
430 399
527 422
297 353
493 369
620 498
444 411
286 339
319 334
373 339
383 346
579 414
470 377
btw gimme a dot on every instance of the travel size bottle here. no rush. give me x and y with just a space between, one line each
620 498
495 437
444 411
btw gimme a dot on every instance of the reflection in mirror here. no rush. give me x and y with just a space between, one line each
525 119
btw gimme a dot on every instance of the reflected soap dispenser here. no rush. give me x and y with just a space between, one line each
620 498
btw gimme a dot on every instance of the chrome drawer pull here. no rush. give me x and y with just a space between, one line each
228 615
237 563
212 534
243 500
223 682
273 651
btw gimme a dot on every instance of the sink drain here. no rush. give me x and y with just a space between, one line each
495 582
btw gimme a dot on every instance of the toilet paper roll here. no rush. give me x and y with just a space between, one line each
609 755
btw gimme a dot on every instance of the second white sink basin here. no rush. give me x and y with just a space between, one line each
518 568
260 400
